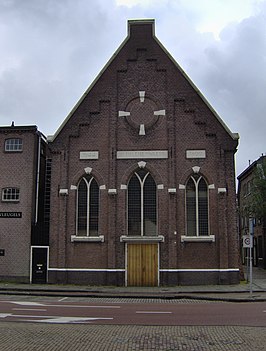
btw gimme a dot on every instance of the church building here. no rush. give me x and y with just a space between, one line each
141 179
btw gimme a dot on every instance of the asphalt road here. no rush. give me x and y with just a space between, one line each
49 323
163 314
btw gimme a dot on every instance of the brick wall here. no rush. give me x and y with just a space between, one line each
189 124
17 170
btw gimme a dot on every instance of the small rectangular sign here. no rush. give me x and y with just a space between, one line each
89 155
139 154
196 153
10 214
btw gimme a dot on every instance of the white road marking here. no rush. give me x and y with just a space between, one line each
154 312
68 306
77 306
64 320
63 298
53 319
26 303
82 306
4 315
29 309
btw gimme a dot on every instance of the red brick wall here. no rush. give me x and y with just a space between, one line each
142 65
17 170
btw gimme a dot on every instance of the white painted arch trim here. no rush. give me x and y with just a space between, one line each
63 192
142 164
221 190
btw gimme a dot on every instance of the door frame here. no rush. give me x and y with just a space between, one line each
158 257
31 260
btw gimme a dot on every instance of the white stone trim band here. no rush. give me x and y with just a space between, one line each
85 270
200 270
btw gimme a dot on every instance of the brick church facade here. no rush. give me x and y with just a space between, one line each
142 180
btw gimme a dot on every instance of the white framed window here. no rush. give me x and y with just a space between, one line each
10 194
87 207
13 145
142 204
197 206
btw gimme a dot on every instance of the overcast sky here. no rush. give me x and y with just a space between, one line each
51 51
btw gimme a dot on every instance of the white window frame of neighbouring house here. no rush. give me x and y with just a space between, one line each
11 194
13 145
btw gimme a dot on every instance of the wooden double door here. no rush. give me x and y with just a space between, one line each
142 264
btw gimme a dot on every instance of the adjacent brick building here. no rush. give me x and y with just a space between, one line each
258 225
22 183
140 180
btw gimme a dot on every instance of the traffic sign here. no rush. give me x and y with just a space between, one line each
247 241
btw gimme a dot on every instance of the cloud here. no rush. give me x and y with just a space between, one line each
51 51
232 78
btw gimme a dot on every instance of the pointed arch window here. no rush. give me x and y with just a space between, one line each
142 204
87 207
197 206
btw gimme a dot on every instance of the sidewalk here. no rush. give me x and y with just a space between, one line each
240 292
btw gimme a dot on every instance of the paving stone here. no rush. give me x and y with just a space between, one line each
29 336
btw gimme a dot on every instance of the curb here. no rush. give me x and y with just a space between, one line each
204 296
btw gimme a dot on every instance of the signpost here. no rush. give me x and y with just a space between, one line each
248 244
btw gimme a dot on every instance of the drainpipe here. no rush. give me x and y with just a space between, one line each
37 178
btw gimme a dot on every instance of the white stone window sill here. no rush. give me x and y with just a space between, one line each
86 239
156 239
191 239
